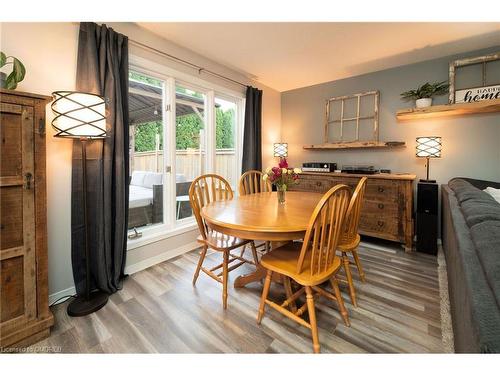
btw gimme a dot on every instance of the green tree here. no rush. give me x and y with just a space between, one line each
224 133
145 79
188 131
145 135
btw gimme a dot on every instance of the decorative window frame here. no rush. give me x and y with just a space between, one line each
356 118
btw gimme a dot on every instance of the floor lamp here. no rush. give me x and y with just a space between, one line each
82 116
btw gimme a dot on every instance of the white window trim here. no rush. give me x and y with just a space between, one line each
172 77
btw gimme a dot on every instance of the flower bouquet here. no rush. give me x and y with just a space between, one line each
282 176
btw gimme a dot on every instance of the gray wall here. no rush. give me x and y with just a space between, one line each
471 144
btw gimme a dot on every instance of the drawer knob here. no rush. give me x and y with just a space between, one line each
380 223
380 189
381 206
318 183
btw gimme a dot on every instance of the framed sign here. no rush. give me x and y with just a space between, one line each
477 94
486 91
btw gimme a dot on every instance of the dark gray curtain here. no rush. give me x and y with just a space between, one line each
102 69
252 135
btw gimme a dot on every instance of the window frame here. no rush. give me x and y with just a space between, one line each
172 78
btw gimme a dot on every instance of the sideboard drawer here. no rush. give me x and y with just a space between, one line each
386 227
382 190
380 208
314 184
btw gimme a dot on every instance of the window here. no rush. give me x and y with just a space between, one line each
146 151
226 163
190 144
178 131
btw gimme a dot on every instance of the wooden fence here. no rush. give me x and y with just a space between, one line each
189 163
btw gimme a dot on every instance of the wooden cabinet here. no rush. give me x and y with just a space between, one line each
24 312
388 204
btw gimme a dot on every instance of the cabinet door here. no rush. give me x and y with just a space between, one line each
17 222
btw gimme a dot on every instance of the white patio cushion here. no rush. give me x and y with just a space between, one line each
152 178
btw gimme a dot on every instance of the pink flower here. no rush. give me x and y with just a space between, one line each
276 171
283 163
295 177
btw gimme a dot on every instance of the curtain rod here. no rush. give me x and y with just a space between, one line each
200 69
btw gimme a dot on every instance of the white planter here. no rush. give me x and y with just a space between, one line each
424 102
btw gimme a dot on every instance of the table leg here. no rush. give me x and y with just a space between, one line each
260 273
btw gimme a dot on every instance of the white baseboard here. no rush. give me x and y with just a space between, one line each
65 292
136 267
169 254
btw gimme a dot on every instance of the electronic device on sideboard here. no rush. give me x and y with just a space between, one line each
319 167
359 169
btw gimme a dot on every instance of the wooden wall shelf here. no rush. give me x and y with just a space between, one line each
487 106
355 145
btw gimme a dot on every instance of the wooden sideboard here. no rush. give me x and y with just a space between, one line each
24 304
388 205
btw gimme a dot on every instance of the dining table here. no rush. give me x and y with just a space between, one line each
261 217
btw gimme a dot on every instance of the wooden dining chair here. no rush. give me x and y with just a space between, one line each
204 190
350 238
310 263
251 182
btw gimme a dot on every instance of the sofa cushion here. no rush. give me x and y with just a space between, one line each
476 211
152 178
486 238
137 178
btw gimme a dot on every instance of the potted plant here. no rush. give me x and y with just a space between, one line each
423 94
282 176
16 75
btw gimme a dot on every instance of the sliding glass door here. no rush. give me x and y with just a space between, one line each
178 131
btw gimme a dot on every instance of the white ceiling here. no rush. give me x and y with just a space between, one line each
285 56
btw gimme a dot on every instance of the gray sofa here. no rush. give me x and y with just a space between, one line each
471 244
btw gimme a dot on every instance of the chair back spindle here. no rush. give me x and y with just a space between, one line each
354 212
251 182
324 231
204 190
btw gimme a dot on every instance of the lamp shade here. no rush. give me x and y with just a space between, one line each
79 115
428 147
281 150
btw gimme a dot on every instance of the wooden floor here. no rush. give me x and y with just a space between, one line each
159 311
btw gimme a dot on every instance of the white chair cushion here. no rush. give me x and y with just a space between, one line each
151 179
139 196
179 177
137 178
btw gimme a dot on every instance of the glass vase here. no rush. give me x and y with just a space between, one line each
281 190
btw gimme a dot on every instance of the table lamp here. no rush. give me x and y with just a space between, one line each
280 150
82 116
428 147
